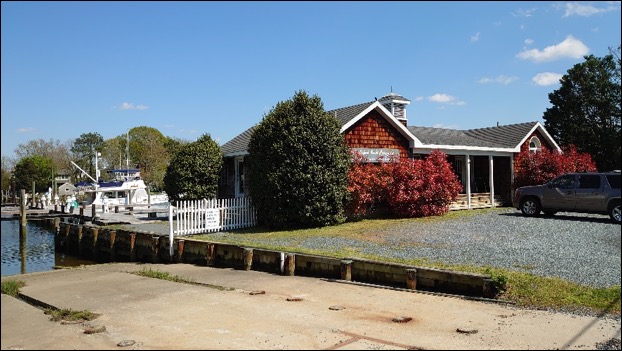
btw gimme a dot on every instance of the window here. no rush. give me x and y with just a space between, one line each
535 145
614 181
589 181
564 182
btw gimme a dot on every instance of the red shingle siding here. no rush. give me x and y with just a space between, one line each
374 131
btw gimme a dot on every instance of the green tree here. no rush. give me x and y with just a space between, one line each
84 149
194 170
7 171
586 110
298 165
148 152
34 168
58 151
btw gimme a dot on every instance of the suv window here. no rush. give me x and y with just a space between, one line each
589 181
614 180
564 182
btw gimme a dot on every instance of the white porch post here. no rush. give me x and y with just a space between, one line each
491 180
511 177
468 180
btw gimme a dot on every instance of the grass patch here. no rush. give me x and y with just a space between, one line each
153 273
11 287
70 315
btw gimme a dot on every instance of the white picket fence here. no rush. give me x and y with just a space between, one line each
213 215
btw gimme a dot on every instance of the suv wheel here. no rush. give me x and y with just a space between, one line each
530 207
614 212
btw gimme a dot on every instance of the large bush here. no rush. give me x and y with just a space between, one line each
540 167
298 165
193 171
402 187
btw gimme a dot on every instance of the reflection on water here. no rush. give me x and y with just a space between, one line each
32 252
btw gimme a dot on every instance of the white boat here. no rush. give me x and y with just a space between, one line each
125 188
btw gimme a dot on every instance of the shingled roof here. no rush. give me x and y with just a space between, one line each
507 136
499 137
239 144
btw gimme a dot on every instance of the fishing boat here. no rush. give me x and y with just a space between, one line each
125 188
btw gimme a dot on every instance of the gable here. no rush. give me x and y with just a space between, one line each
373 131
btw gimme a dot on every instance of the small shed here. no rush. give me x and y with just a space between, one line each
67 189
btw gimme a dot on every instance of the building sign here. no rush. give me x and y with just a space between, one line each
375 155
212 219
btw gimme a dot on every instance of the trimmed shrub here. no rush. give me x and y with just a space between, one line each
297 166
194 170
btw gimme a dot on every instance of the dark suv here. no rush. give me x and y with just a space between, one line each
572 192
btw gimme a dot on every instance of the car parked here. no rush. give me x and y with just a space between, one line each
590 192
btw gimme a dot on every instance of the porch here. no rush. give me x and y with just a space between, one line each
478 200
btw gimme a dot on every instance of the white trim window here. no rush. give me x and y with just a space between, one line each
534 145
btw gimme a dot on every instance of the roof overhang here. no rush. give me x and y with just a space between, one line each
233 154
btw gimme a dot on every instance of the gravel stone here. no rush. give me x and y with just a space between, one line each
581 248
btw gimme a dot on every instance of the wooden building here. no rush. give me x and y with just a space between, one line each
482 158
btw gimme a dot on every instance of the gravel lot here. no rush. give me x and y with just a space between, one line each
582 248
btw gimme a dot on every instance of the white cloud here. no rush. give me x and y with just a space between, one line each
505 80
570 47
523 13
26 130
475 37
546 78
131 106
419 98
575 8
528 41
445 99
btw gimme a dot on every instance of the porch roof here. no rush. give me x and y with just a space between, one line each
507 136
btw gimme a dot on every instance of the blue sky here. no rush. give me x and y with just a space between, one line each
189 68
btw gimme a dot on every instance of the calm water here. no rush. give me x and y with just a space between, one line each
35 253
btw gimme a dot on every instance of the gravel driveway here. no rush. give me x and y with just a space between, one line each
581 248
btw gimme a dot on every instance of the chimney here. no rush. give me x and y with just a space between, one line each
396 104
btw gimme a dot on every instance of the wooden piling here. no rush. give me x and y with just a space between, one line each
290 264
346 270
248 259
411 279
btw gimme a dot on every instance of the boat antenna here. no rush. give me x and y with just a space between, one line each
83 171
127 156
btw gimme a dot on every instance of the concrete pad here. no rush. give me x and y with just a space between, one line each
221 313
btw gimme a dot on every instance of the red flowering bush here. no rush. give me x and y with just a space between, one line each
404 188
540 167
